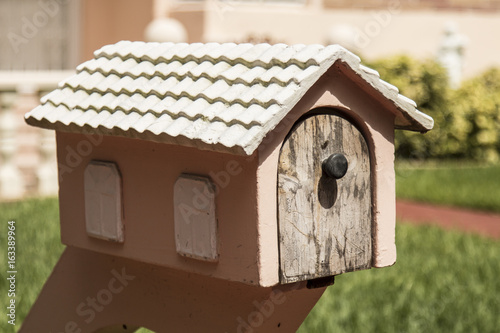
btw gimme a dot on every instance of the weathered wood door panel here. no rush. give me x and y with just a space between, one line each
324 223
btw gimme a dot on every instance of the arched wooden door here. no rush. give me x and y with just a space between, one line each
324 222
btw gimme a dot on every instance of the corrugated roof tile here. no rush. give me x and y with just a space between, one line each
306 73
201 69
121 50
224 96
288 74
246 52
155 53
176 127
268 96
72 81
180 105
116 101
234 72
230 114
196 108
144 122
127 122
70 117
142 51
307 54
53 114
268 114
55 95
148 103
249 94
233 94
216 90
40 111
250 115
173 52
97 101
283 95
407 100
369 71
215 109
218 52
212 132
287 53
84 116
252 75
109 119
269 54
247 140
163 106
100 118
389 86
232 135
271 74
144 68
105 84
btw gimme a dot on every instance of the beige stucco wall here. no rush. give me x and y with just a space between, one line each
380 32
109 21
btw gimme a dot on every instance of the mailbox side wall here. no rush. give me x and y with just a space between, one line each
341 94
149 171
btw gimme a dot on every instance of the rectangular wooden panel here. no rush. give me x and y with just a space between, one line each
194 217
103 206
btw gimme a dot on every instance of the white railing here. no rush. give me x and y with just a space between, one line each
28 164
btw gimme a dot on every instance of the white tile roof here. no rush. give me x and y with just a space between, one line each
224 97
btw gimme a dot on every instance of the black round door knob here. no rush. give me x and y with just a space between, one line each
335 166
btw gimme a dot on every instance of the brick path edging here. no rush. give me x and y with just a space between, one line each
486 224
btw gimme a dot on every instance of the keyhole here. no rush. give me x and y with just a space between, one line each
327 191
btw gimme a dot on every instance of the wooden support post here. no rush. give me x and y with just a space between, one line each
93 292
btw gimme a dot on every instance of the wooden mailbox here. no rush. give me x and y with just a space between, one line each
256 164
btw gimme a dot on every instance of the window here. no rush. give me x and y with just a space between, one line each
103 206
194 217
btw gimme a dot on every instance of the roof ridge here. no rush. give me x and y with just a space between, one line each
214 60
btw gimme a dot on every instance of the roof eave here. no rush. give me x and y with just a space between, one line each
407 116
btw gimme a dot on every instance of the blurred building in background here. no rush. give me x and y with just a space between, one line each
42 41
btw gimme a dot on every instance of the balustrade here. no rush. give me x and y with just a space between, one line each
28 165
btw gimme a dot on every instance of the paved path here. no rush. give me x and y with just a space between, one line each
486 224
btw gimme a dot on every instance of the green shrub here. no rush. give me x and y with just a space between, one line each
426 83
467 120
477 105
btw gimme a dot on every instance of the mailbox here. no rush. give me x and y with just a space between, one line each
256 164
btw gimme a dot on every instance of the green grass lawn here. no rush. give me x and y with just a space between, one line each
442 282
38 247
455 184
